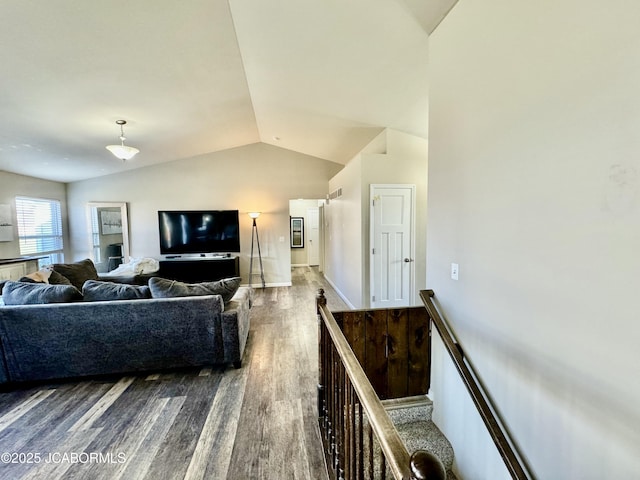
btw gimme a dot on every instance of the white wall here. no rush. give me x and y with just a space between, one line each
343 217
13 185
534 177
256 177
392 157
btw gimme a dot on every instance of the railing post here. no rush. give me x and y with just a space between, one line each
321 301
426 466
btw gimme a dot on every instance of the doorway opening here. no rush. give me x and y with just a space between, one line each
306 232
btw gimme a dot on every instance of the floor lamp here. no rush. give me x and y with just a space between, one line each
254 235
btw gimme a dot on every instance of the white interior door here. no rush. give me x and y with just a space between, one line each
392 245
313 236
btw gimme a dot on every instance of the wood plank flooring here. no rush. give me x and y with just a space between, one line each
257 422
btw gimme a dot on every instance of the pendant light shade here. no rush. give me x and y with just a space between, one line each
122 151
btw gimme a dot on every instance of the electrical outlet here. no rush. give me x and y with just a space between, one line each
454 271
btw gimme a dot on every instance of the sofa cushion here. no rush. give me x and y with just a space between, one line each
20 293
78 272
96 291
163 288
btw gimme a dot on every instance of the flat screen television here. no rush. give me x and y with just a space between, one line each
198 231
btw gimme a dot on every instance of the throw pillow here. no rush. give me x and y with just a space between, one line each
163 288
58 279
78 272
96 291
19 293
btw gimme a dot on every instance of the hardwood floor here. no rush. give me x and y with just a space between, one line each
256 422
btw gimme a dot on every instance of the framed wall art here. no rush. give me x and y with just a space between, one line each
6 224
297 232
110 221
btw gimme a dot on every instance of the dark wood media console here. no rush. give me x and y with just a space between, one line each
192 270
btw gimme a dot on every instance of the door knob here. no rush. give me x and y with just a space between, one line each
407 260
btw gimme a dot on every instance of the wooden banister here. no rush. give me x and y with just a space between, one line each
507 449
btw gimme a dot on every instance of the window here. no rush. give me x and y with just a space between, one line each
40 229
95 236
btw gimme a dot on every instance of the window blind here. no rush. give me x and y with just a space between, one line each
40 227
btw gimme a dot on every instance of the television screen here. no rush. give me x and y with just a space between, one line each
199 231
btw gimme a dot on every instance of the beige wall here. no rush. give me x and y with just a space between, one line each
392 157
255 177
534 179
11 186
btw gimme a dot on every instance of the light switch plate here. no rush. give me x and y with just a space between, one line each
454 271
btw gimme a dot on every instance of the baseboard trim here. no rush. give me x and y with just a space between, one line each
268 285
282 284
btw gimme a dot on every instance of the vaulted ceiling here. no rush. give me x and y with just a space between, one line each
199 76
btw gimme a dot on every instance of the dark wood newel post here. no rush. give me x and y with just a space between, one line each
321 301
426 466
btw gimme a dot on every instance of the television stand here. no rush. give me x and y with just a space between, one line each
199 269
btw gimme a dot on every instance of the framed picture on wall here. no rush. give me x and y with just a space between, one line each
110 222
6 224
297 232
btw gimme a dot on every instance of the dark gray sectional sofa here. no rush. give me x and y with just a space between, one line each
63 340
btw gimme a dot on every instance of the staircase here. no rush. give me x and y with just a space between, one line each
412 418
352 346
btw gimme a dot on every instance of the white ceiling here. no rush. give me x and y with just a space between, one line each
317 77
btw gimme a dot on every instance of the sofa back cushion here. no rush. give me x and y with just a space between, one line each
163 288
21 293
78 272
97 291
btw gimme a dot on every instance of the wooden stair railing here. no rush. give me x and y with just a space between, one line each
513 460
348 405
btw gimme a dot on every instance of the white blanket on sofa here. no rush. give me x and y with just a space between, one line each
135 266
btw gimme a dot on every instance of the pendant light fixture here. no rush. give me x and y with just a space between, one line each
122 151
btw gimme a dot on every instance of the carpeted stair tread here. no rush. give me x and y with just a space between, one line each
412 418
427 436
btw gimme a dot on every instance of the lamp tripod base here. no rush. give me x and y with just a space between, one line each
255 239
